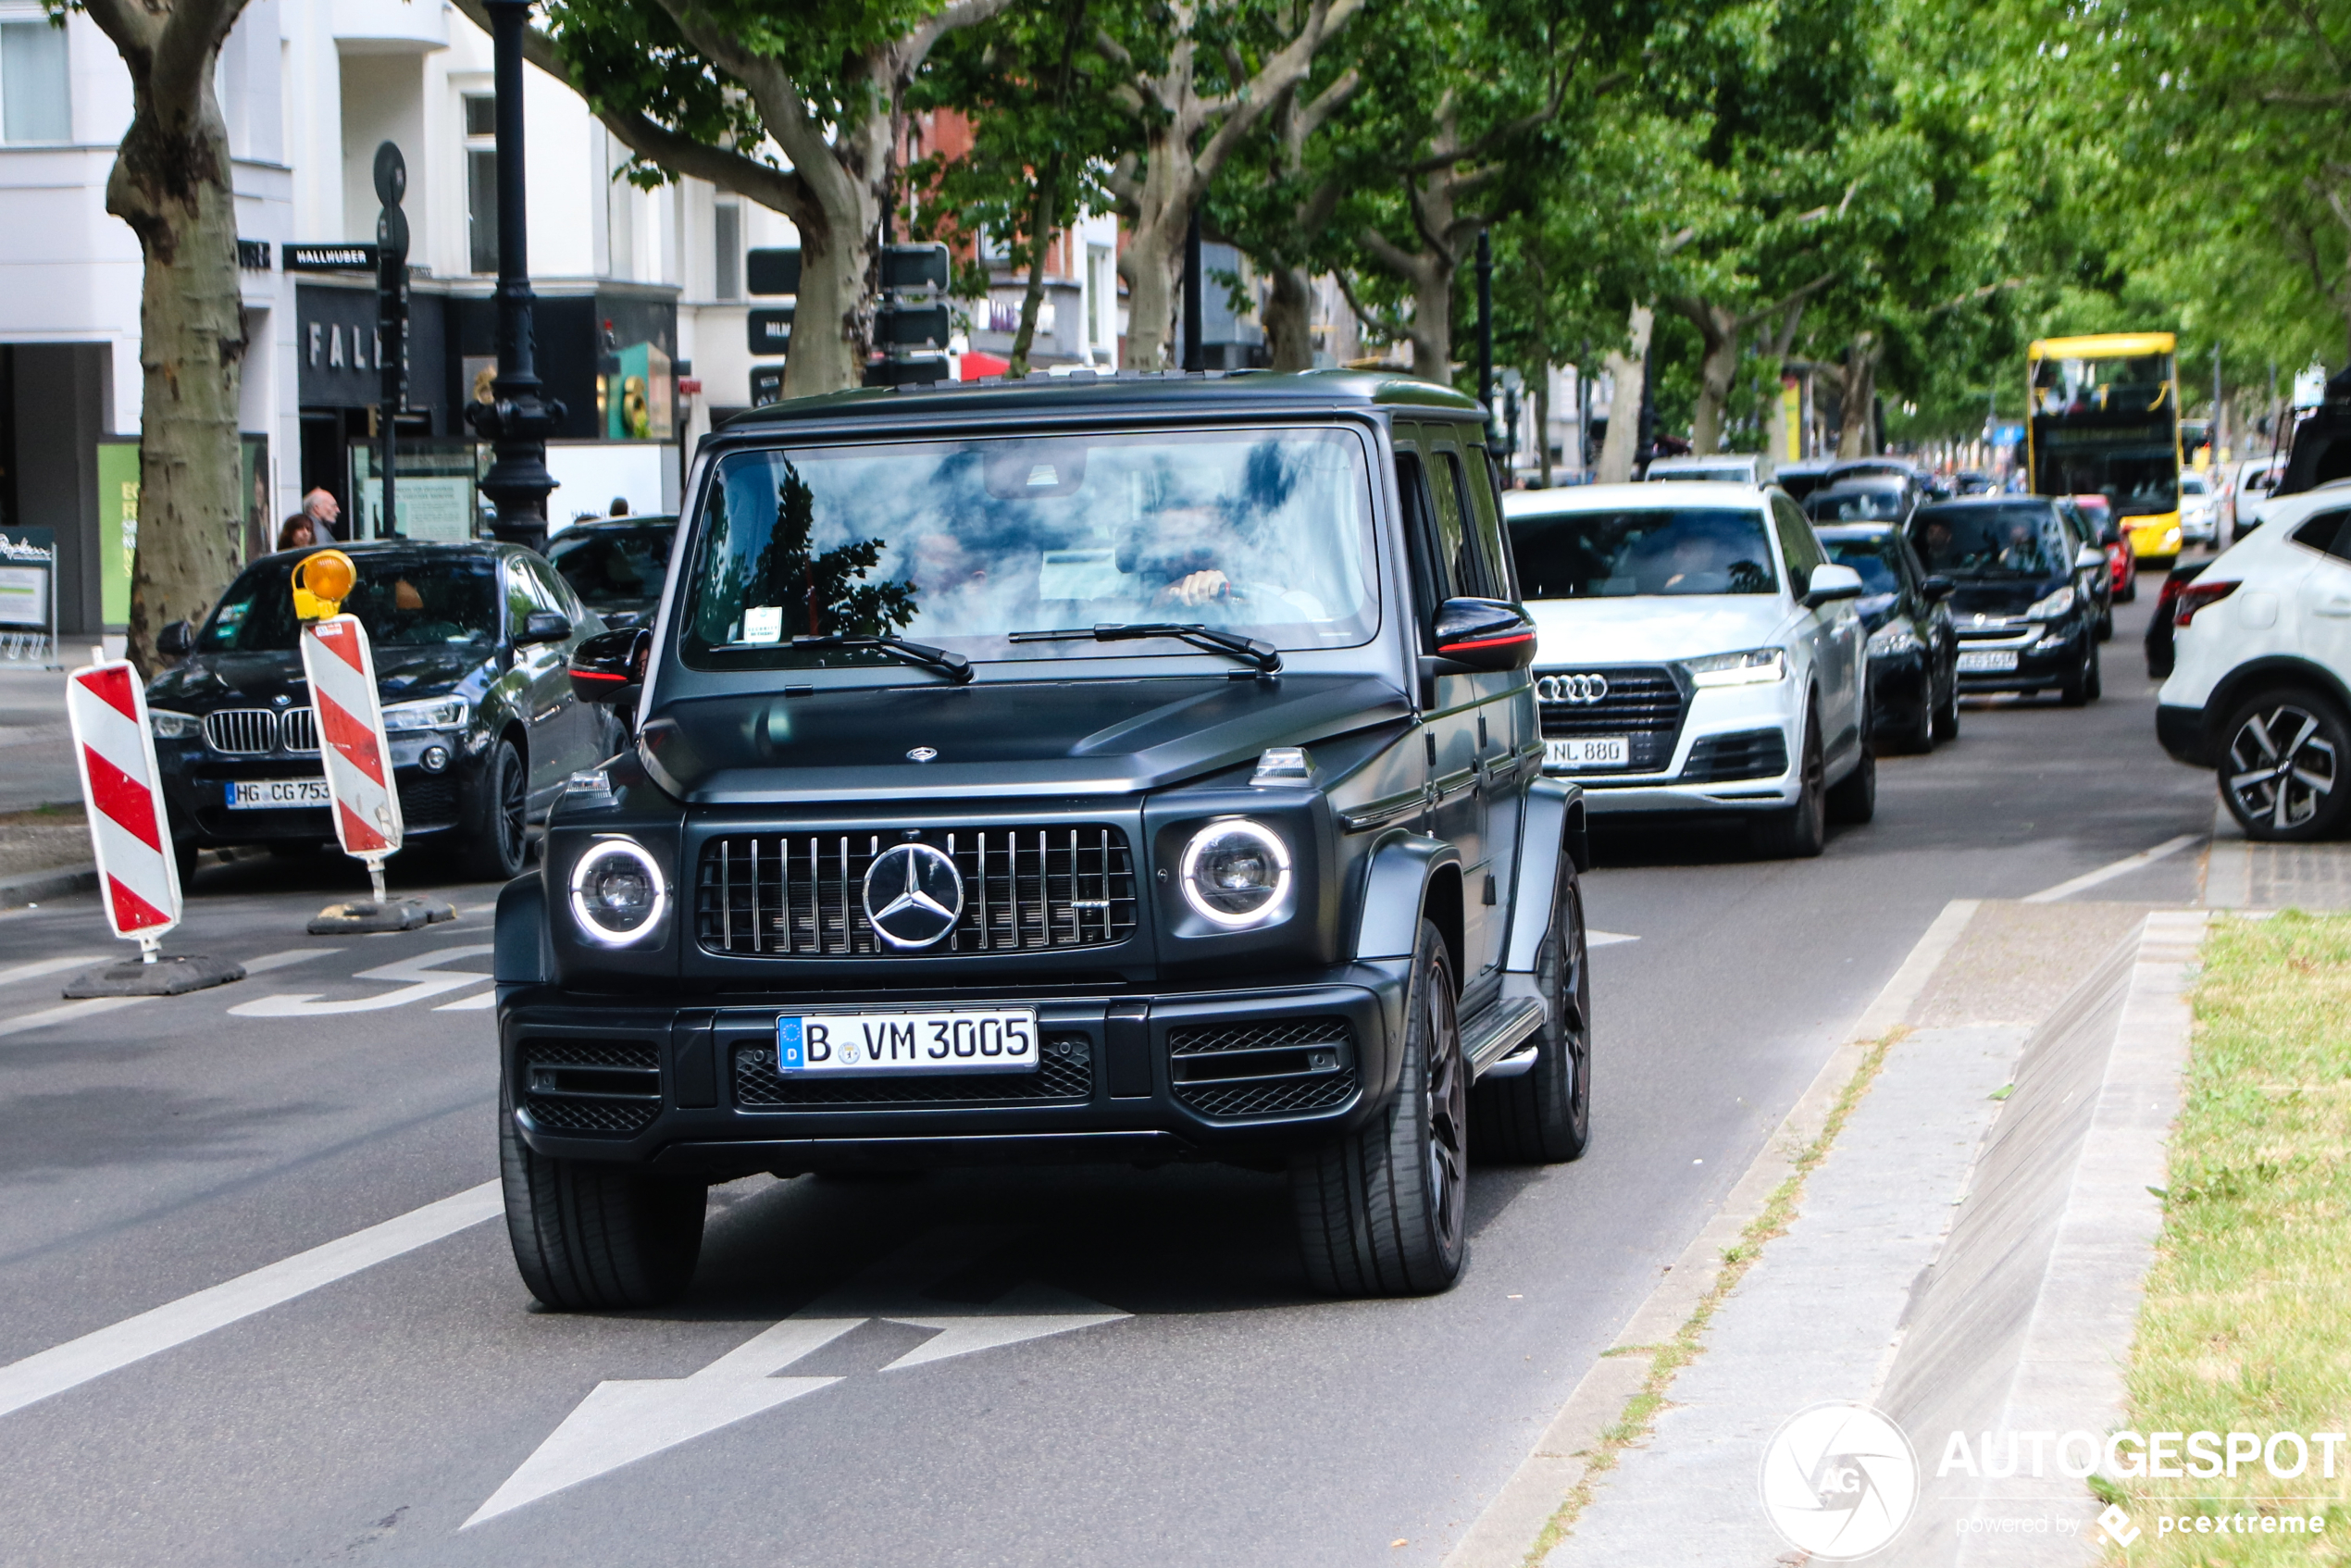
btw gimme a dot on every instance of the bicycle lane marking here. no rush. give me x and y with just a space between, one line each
66 1013
424 980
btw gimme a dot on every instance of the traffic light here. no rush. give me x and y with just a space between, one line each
912 326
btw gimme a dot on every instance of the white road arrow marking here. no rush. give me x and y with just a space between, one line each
621 1422
1606 939
1028 1312
424 981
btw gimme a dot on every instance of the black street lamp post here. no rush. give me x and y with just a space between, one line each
517 420
1485 328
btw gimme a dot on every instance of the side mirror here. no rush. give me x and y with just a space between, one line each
176 641
2091 559
1937 589
1829 583
543 626
609 668
1484 634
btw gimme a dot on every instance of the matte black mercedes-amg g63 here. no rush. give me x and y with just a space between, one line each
1133 768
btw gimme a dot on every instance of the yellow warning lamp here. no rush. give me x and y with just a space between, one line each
321 583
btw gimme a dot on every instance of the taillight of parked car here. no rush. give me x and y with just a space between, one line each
2196 596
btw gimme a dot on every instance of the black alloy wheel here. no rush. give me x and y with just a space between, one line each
2283 768
2093 685
1917 738
1801 830
1544 1115
2074 690
498 845
1382 1211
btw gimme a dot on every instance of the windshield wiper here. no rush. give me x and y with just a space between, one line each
1249 649
954 666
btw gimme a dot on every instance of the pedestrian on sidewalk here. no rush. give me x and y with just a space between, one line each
324 512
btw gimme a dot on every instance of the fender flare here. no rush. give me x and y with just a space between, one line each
1394 890
522 956
1554 823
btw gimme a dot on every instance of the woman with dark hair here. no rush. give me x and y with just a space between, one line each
297 533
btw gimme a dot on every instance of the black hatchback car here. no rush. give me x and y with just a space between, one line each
2024 600
472 644
1142 768
1913 649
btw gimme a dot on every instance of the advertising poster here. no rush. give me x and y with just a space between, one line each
117 527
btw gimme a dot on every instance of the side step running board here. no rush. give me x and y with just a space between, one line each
1503 1027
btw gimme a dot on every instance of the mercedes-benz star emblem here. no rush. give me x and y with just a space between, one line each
914 895
1581 690
922 754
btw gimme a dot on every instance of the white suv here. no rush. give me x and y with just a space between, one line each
2260 690
1699 654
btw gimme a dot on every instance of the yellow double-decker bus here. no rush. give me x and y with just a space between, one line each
2105 421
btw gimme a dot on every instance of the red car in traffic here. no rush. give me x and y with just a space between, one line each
2120 558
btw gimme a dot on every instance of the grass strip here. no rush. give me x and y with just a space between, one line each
1666 1361
2245 1324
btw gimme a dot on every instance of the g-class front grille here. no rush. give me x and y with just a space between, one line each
1064 1072
1235 1071
598 1087
1641 703
802 895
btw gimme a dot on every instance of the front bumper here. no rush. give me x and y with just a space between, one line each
1733 754
1245 1074
196 781
2044 658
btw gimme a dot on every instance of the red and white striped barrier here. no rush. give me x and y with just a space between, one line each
342 669
129 828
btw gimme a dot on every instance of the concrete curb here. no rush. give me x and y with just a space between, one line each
2024 1323
32 886
1503 1535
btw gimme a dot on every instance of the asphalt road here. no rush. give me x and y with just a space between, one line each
1100 1367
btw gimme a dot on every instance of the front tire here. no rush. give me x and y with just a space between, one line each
1946 712
2282 773
496 847
1382 1212
1799 831
594 1238
1544 1115
1854 799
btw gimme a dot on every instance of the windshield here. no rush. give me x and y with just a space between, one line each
2020 541
1261 533
615 568
1741 474
2193 484
1620 554
1854 505
405 599
1871 555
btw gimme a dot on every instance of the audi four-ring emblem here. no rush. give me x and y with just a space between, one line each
1583 690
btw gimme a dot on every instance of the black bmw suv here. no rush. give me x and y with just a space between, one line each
472 644
1140 768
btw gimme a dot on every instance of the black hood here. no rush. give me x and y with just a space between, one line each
2000 595
204 681
1085 736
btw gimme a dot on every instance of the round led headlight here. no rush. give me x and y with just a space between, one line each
1235 873
617 893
